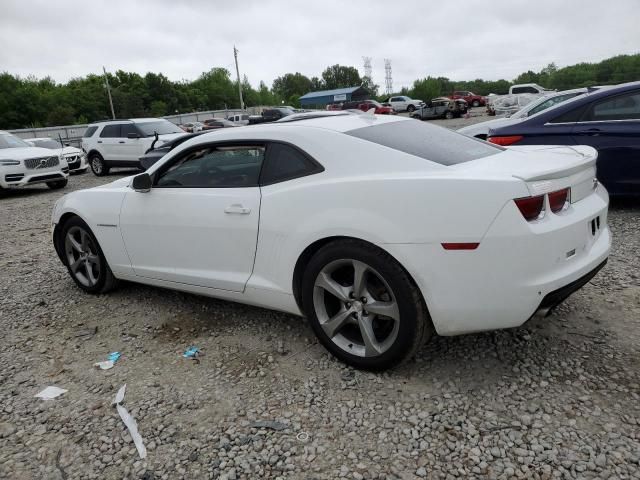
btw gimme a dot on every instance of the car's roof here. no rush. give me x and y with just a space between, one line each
336 120
132 120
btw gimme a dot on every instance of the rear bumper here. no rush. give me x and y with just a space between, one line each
518 268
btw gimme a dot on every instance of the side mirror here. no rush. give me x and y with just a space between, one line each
133 135
142 183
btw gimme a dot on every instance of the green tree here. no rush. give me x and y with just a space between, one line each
291 85
339 76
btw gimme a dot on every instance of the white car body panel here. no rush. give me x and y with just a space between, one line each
404 204
31 176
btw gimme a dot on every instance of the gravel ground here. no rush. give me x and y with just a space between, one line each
557 398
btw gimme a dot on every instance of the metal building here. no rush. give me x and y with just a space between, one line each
325 97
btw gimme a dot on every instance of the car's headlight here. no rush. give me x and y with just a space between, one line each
9 162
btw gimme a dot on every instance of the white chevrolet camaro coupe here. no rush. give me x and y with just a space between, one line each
381 230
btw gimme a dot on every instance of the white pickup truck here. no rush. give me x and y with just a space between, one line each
401 103
529 88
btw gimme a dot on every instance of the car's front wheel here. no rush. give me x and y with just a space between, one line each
411 108
475 103
83 257
55 185
97 165
448 115
363 306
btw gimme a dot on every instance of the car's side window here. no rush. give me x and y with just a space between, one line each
218 166
89 132
571 116
128 128
111 131
621 107
285 162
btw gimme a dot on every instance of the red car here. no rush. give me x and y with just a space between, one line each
366 105
471 98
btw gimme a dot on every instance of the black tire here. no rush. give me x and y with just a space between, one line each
105 281
57 184
449 115
414 325
475 103
411 108
98 166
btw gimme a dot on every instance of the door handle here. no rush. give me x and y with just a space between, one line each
121 141
593 132
99 141
237 209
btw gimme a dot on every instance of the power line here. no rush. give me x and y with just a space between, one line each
387 76
367 68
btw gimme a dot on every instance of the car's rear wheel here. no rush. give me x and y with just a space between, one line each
84 259
475 103
363 306
448 115
411 108
57 184
97 165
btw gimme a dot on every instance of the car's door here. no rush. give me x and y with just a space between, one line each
129 149
108 141
198 224
612 126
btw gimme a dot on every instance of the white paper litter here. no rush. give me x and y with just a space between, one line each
50 393
130 422
106 365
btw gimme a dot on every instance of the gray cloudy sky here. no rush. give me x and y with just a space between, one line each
462 40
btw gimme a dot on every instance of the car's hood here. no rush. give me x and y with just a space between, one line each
120 183
71 151
162 139
26 152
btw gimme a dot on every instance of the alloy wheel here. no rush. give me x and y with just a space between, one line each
82 256
356 308
96 165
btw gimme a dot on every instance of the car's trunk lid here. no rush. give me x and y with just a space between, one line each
544 168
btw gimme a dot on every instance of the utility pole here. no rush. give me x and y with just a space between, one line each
106 84
235 55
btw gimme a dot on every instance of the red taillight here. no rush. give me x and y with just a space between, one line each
530 207
460 246
506 141
557 200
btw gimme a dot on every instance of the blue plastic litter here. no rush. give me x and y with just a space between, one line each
114 356
191 352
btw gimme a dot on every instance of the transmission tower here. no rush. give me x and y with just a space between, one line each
367 68
387 76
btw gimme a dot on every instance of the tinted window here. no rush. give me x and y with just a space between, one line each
426 141
284 163
211 167
89 132
571 116
110 131
161 127
551 102
621 107
524 90
128 128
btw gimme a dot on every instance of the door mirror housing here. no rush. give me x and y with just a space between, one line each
133 135
142 183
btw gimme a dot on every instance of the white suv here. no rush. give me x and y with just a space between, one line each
23 164
121 143
401 103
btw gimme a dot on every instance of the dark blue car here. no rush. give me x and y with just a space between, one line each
607 119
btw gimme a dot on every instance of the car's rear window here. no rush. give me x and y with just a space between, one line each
427 141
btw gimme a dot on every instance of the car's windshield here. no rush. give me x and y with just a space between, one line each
10 141
48 143
161 127
430 142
